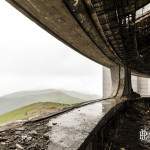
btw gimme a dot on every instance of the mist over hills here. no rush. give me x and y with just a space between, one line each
19 99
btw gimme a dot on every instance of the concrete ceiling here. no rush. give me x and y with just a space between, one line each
55 18
105 31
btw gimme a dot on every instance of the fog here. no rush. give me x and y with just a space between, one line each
31 59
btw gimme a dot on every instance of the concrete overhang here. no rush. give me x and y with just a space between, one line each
56 19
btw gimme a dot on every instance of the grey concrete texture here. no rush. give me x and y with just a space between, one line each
55 18
117 83
69 131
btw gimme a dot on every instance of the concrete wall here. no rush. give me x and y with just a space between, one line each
134 83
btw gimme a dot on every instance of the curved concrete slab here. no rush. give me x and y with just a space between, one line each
56 19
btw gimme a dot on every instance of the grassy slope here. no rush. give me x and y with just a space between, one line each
31 111
17 100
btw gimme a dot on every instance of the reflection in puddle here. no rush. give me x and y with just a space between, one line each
128 130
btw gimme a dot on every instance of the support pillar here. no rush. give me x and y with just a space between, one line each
107 87
127 83
121 83
143 86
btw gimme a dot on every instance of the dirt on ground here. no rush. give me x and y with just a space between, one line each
29 136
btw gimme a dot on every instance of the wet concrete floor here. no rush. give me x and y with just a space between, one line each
128 130
98 126
64 131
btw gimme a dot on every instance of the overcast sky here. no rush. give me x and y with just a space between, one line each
31 59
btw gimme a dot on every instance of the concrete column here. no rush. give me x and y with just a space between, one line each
143 86
117 83
127 83
121 83
107 85
134 83
148 87
113 79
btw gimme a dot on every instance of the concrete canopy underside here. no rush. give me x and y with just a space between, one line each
56 19
92 29
95 34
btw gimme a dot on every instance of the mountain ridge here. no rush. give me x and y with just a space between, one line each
19 99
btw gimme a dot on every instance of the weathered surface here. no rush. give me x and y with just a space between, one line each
32 136
69 131
65 131
55 18
122 132
104 31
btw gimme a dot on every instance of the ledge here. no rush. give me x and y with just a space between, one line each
70 130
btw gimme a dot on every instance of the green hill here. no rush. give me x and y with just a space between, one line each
32 110
20 99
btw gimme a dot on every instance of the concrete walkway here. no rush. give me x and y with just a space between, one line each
69 130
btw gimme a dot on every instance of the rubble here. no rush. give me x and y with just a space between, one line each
28 136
